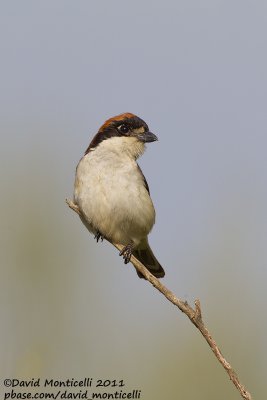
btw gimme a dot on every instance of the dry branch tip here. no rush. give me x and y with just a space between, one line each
195 315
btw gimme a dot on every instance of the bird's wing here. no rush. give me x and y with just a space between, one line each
144 179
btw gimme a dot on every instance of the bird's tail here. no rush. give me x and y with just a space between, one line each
145 255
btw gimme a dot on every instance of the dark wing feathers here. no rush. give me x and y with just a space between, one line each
144 179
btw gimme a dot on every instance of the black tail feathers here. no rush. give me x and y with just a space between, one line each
145 255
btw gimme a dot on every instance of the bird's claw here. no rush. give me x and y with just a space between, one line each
99 236
126 252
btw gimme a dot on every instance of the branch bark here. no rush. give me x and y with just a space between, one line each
194 314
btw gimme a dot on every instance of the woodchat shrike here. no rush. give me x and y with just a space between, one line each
111 191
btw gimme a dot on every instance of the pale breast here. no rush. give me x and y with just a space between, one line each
112 195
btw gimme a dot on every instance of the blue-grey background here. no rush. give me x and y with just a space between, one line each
196 72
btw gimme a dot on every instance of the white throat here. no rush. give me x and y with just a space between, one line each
122 145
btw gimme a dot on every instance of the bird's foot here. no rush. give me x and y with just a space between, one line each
126 252
99 236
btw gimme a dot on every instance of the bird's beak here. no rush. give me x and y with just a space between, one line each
147 137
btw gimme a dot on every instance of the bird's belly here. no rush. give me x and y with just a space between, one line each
115 204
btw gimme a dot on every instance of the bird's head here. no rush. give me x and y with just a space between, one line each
126 131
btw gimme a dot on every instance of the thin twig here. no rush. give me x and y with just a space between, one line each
194 314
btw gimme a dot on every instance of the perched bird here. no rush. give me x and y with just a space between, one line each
111 191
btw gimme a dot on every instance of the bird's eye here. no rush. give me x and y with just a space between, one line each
123 128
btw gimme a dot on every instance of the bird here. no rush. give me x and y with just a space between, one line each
112 192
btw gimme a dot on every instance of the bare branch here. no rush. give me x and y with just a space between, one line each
194 314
